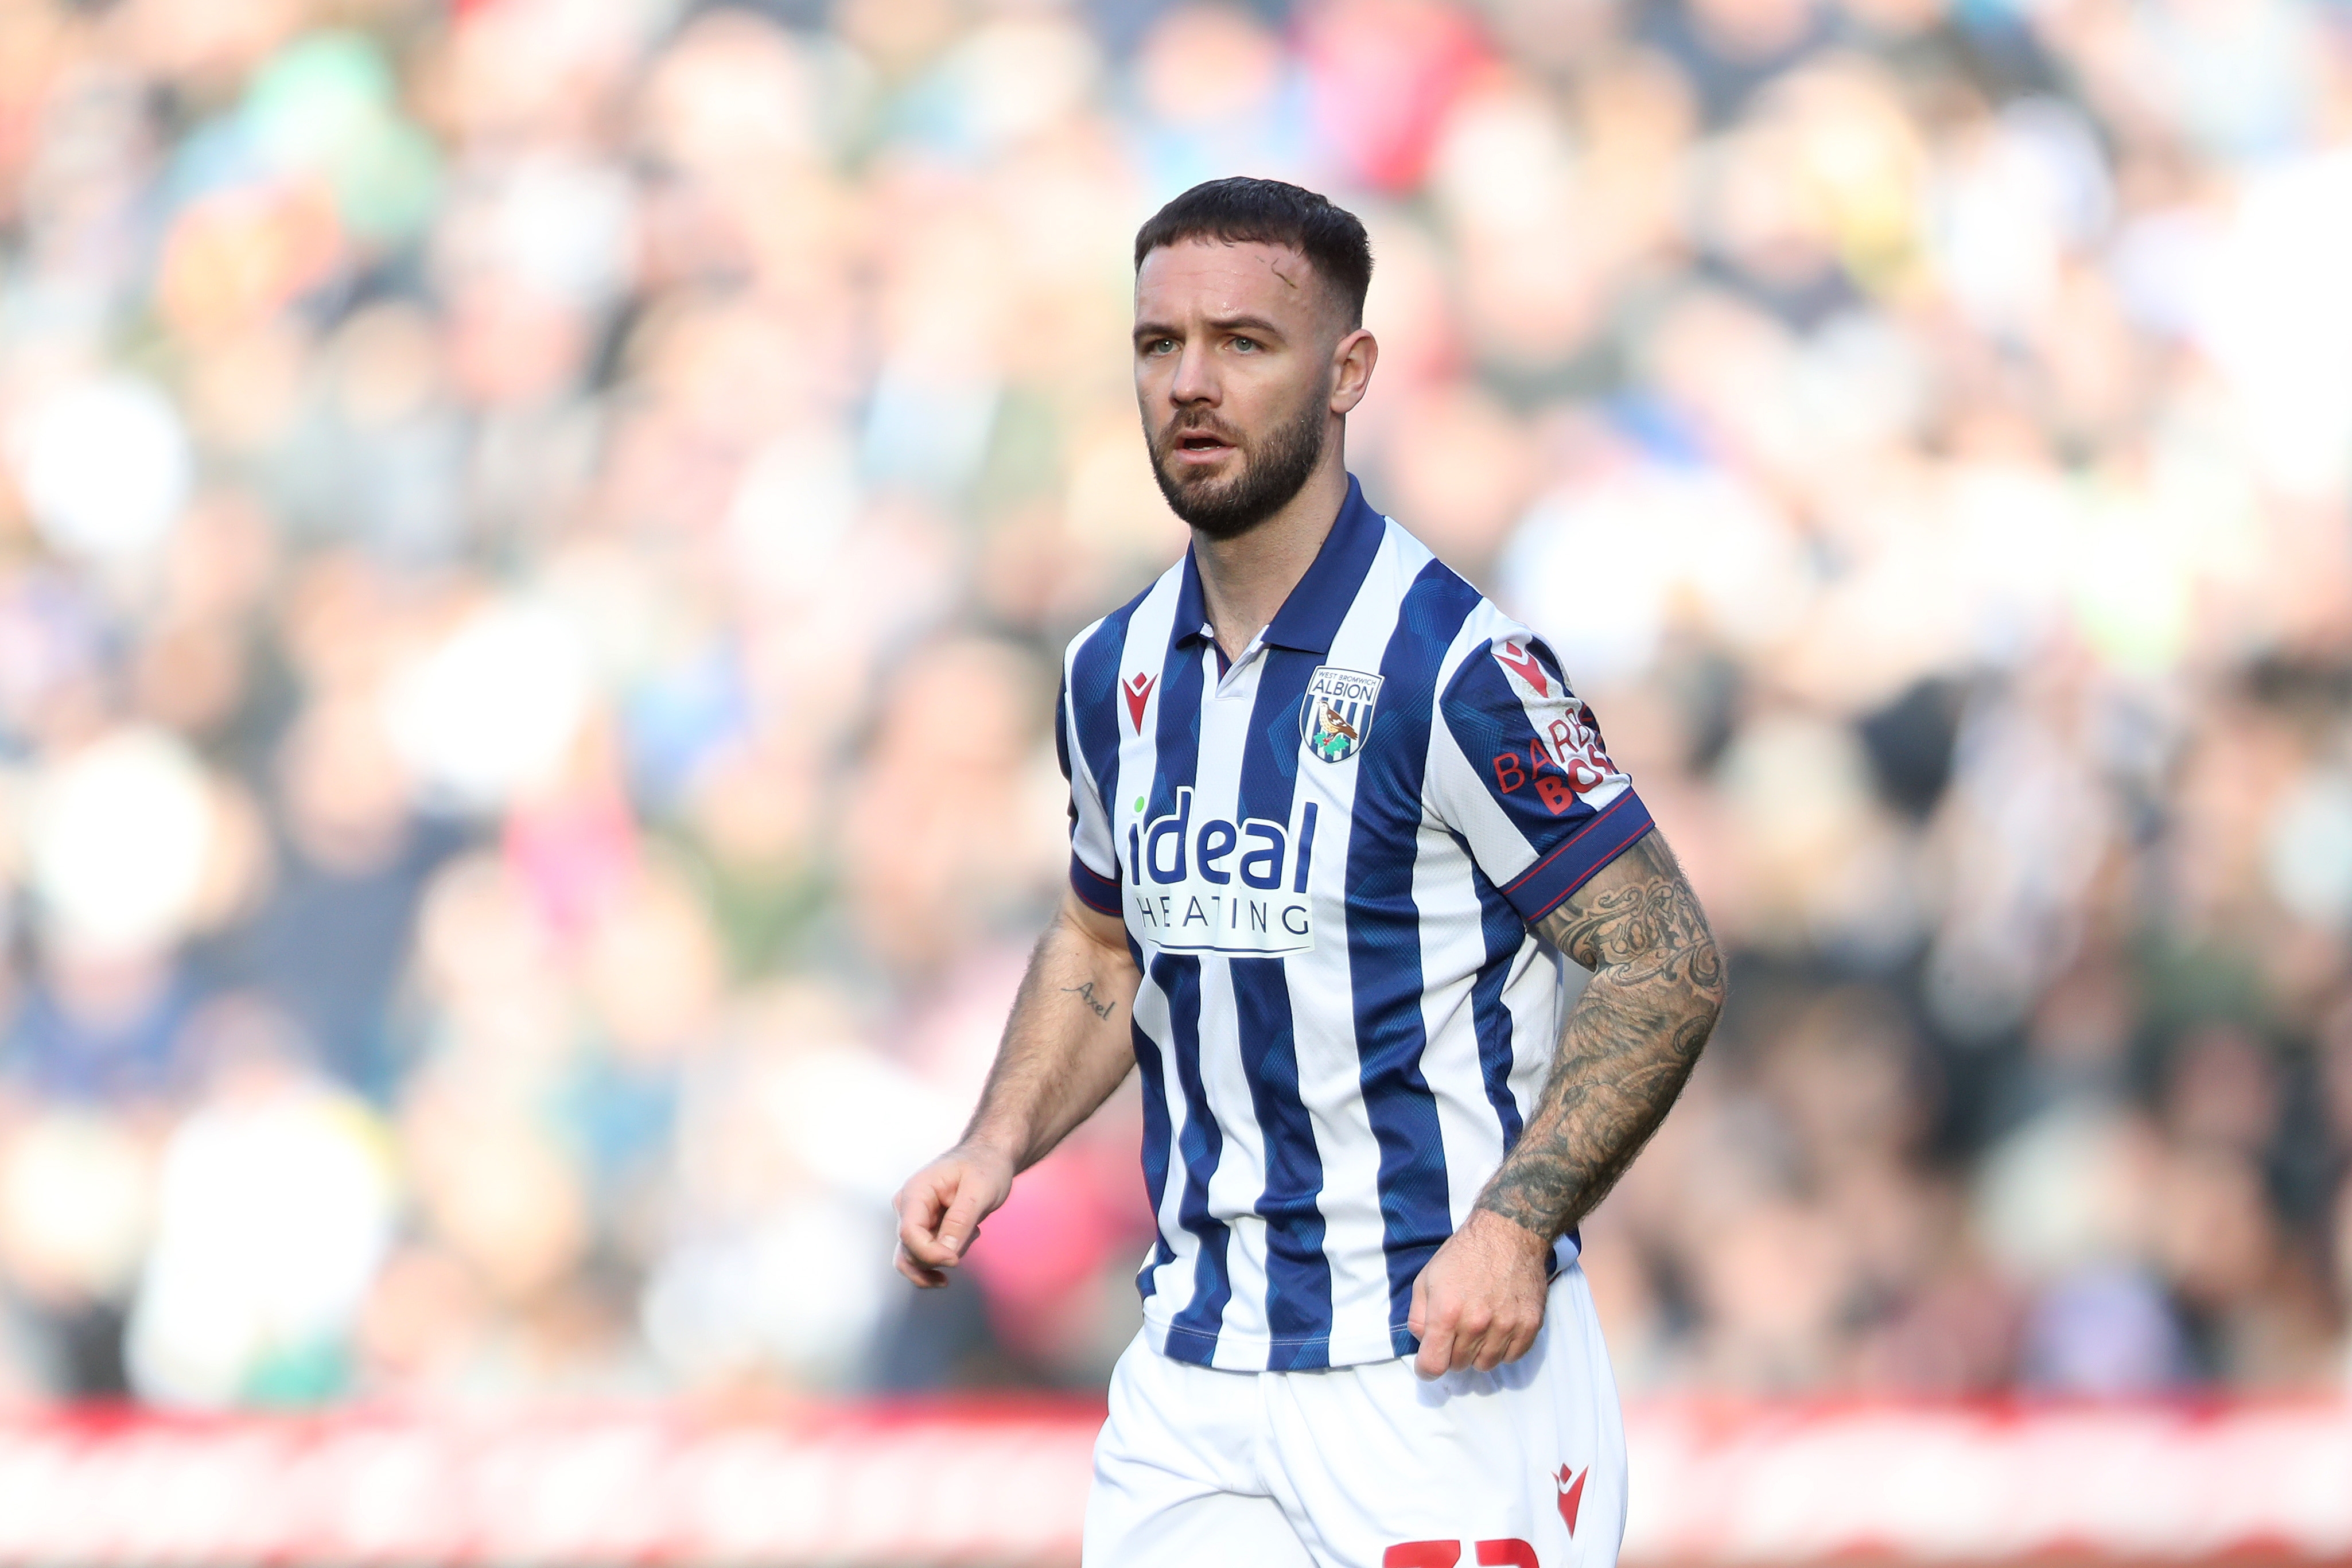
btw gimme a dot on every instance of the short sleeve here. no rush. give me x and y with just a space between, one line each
1522 774
1094 859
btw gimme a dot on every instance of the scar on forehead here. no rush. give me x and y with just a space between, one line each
1273 263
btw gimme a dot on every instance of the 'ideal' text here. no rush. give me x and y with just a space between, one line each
1218 886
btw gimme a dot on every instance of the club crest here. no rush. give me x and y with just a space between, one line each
1336 714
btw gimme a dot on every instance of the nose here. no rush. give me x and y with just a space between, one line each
1195 379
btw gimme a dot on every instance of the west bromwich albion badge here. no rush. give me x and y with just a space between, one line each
1336 714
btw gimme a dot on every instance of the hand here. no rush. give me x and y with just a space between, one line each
1480 1301
942 1206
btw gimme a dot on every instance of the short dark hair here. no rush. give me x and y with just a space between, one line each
1267 212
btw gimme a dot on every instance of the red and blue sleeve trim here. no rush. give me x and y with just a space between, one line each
1097 892
1545 885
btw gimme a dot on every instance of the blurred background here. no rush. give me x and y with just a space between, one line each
535 534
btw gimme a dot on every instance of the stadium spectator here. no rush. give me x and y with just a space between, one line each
533 534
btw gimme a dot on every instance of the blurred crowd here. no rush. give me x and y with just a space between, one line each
534 536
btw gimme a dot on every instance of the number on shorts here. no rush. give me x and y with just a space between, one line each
1503 1554
1422 1554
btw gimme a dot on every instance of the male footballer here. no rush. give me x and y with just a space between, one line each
1338 826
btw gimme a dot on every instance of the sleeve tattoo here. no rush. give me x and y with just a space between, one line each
1630 1041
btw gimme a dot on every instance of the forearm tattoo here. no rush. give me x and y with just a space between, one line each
1629 1043
1085 993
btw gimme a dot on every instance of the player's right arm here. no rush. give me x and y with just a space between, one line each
1066 1046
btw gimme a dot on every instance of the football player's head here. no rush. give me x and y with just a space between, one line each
1250 347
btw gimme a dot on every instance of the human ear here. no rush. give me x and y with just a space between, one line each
1352 358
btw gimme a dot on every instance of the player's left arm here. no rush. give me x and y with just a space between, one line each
1625 1053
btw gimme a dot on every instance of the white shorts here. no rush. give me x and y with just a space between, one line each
1367 1466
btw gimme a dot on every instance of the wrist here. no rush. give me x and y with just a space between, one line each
994 1146
1511 1230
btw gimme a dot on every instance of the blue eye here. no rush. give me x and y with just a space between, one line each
1246 344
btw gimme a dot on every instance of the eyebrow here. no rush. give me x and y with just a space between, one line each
1153 329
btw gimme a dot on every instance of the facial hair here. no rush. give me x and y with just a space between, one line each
1228 508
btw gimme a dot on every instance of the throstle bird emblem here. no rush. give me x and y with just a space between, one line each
1336 714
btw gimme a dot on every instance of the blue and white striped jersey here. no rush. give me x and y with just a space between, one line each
1326 856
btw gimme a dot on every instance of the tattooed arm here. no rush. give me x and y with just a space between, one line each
1066 1048
1629 1043
1627 1047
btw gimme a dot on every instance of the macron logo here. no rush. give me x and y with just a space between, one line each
1524 661
1571 1495
1137 687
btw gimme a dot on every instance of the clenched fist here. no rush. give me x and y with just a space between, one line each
1480 1301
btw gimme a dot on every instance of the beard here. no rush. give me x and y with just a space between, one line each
1268 478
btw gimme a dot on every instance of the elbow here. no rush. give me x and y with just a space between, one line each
1707 988
1708 978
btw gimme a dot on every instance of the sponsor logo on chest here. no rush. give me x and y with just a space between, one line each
1210 886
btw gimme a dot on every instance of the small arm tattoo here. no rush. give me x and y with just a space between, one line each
1629 1042
1085 993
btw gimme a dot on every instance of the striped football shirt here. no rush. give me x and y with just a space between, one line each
1327 853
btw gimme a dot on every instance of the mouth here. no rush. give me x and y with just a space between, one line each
1199 447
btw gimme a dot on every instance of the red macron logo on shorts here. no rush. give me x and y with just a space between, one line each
1571 1495
1137 687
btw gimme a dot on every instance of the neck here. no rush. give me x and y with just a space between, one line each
1244 579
